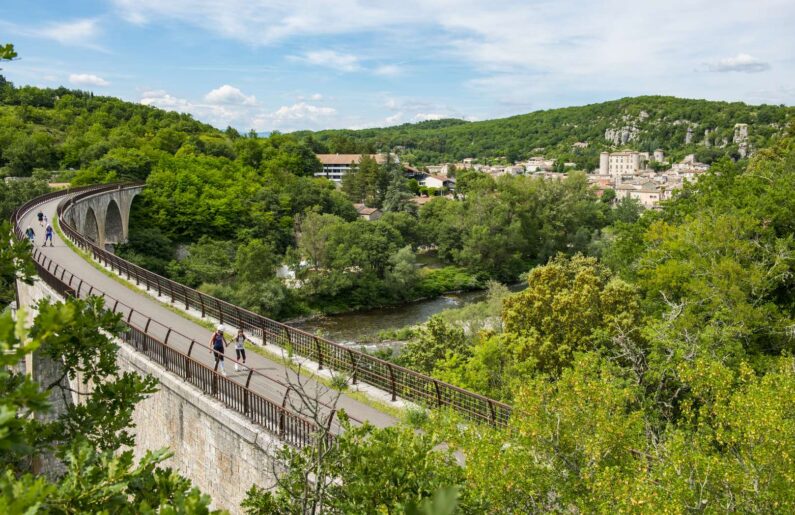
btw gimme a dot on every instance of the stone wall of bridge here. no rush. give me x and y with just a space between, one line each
221 452
104 218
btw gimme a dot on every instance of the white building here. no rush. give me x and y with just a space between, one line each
437 181
537 163
335 166
647 193
617 164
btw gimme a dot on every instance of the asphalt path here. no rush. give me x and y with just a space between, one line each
271 379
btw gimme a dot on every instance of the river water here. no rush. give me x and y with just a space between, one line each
361 327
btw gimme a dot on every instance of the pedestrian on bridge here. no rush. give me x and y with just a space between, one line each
240 349
40 216
31 234
217 344
48 235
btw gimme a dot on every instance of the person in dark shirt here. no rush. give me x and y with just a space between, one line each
217 344
48 235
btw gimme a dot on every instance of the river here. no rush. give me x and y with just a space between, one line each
361 327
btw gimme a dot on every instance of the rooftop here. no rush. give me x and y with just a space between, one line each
347 159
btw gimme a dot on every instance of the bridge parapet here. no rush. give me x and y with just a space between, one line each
393 379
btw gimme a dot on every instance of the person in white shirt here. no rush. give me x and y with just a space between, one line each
240 349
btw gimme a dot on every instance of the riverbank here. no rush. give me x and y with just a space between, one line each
365 327
362 327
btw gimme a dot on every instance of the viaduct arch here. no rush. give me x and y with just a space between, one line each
104 219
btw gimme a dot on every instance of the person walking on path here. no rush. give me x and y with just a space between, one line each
40 216
31 234
240 349
217 344
48 235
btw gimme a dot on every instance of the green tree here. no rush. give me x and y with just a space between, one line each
375 470
435 341
570 304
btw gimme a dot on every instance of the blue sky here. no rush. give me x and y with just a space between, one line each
311 64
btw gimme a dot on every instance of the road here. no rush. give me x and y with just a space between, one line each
272 378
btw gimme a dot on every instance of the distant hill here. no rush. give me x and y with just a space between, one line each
640 123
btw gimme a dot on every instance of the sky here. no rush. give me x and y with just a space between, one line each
315 64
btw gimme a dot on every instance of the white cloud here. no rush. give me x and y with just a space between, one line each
163 100
387 70
739 63
229 95
82 33
297 116
564 51
238 113
394 119
331 59
316 97
87 79
423 117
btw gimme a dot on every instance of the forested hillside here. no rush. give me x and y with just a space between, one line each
649 122
654 377
224 211
63 129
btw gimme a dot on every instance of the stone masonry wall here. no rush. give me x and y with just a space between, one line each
220 451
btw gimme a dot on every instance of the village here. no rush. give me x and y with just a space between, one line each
647 177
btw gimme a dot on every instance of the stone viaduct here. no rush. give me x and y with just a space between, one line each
223 430
104 219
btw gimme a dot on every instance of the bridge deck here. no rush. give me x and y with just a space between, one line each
271 385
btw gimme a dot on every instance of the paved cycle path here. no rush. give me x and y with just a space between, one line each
273 386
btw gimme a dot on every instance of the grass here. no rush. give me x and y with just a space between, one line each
334 383
416 417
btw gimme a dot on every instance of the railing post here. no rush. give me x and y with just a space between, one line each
115 305
201 301
354 366
214 383
392 380
330 420
438 394
187 360
146 329
319 354
246 393
171 287
281 413
159 292
168 333
493 415
185 293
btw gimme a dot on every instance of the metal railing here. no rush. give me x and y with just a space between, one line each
359 366
291 427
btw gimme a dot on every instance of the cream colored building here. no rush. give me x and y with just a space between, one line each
648 193
617 164
335 166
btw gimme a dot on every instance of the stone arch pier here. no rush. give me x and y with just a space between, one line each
104 218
